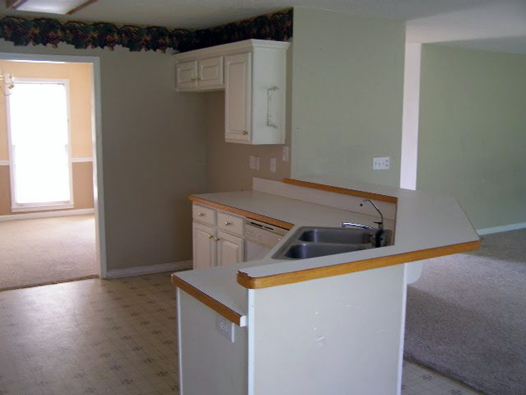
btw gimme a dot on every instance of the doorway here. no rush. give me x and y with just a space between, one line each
55 176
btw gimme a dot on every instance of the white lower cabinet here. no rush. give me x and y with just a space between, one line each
230 249
204 246
216 245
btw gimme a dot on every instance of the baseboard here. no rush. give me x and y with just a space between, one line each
498 229
151 269
47 214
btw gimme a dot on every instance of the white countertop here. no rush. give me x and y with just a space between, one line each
423 222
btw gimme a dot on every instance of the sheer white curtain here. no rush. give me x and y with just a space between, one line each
40 143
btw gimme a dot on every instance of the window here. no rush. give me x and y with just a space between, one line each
40 145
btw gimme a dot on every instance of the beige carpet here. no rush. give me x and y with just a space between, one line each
47 250
466 316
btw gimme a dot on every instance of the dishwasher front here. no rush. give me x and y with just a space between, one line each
261 238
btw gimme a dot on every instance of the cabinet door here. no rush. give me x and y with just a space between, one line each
204 246
238 97
187 76
211 73
230 249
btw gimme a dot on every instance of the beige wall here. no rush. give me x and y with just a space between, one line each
472 132
80 82
153 155
227 164
347 95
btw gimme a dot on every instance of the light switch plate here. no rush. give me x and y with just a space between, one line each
381 163
225 328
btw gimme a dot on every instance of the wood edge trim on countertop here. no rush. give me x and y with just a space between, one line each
350 267
343 191
248 214
218 307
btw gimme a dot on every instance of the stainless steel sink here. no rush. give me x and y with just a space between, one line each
313 242
336 235
313 250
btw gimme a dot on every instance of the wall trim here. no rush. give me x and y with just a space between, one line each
498 229
48 214
149 269
81 160
4 163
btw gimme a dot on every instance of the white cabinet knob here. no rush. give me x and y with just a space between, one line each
227 223
201 214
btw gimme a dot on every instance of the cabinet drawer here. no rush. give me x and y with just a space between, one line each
230 223
204 214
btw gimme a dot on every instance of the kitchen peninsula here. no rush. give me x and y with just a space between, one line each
329 324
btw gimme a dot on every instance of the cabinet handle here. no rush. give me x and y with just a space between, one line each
217 238
245 133
228 223
201 214
210 236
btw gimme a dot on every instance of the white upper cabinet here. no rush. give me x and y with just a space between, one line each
210 73
187 75
238 97
200 75
253 75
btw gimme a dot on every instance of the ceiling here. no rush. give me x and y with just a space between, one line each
498 25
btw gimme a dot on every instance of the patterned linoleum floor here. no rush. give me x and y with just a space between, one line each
111 337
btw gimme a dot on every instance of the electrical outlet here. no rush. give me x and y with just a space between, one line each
226 328
381 163
273 165
254 162
286 153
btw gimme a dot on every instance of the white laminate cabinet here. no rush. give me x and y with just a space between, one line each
238 98
217 238
186 75
200 75
230 223
230 249
210 73
204 246
254 80
204 214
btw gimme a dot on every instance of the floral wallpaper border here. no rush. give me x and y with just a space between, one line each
44 31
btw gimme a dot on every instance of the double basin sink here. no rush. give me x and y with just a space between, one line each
312 242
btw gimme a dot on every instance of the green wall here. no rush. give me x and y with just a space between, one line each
347 95
472 132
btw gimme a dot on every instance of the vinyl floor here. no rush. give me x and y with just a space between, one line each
113 337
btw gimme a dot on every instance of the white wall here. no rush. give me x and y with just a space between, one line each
347 95
153 155
409 160
305 336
